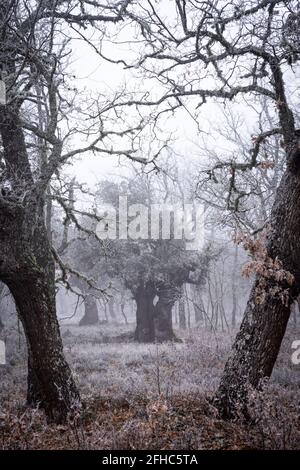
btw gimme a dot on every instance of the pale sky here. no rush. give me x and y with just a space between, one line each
97 75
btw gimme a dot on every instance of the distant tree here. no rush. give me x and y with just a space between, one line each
152 269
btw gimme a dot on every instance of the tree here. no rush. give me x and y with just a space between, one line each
33 61
242 201
83 278
181 314
152 269
226 52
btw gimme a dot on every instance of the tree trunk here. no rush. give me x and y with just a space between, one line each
50 383
258 342
187 307
163 315
27 268
111 309
144 295
198 306
90 316
105 311
181 314
122 307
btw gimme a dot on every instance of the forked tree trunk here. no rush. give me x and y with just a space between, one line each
144 295
90 316
258 342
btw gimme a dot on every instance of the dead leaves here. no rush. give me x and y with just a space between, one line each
272 279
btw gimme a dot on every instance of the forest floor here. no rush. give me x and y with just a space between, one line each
152 396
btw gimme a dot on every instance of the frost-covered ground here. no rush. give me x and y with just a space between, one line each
125 367
150 396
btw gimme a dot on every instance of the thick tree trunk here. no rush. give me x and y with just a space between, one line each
163 315
163 322
144 295
27 268
90 316
34 395
258 342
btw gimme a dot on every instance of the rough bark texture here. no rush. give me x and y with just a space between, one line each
27 268
163 315
144 295
154 323
258 342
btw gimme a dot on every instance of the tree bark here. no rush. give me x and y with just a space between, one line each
181 313
27 268
50 382
144 295
90 316
163 315
258 342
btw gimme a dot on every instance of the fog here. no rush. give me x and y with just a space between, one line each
171 323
